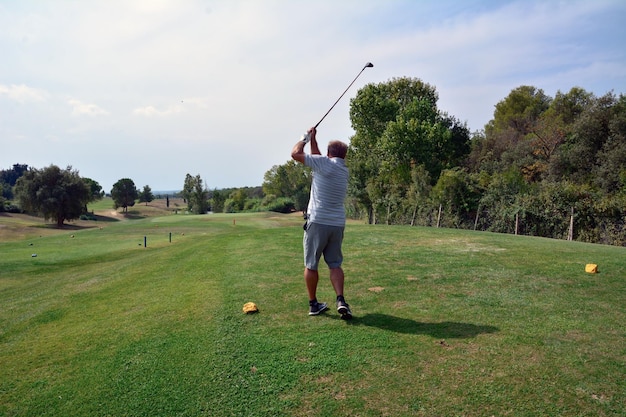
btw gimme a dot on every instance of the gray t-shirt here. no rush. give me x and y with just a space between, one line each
328 190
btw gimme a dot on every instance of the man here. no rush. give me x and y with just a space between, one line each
326 218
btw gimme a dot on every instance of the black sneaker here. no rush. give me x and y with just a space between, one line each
317 308
344 309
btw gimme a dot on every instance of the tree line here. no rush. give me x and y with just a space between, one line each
543 166
62 195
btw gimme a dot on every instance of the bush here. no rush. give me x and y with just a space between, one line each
252 204
229 206
281 205
8 207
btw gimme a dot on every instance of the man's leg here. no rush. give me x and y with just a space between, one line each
311 277
337 278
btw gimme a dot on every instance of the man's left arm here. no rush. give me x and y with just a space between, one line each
297 153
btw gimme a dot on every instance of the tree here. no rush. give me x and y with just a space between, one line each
124 194
196 196
291 180
238 199
519 111
577 158
456 192
398 127
6 191
509 136
500 200
373 108
9 177
53 193
419 190
217 201
95 191
146 195
610 171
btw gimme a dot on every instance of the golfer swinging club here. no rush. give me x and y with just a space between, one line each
326 218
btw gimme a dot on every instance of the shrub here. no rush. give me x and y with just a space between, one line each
281 205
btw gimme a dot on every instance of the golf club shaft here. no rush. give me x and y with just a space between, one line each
368 65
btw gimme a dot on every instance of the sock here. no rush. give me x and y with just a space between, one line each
313 302
340 298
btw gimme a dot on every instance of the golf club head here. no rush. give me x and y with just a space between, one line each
368 65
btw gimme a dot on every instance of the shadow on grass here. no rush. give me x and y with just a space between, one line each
134 215
100 218
443 330
96 221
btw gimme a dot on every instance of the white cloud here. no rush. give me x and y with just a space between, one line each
185 105
150 111
22 93
79 108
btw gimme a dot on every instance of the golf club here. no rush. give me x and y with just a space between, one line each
306 137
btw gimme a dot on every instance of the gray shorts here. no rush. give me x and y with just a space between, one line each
321 239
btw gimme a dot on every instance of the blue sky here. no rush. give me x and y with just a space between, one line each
154 89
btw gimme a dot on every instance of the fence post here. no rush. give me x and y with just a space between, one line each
516 223
476 220
570 233
439 216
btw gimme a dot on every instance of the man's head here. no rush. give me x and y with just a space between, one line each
337 149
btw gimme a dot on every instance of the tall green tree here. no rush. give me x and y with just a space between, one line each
419 193
218 198
124 194
146 196
53 193
237 200
291 180
519 110
95 189
397 127
8 178
577 158
457 194
508 137
610 170
195 194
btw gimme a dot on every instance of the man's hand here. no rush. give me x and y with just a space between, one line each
309 135
297 153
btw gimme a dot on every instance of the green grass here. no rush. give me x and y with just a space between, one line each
447 323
